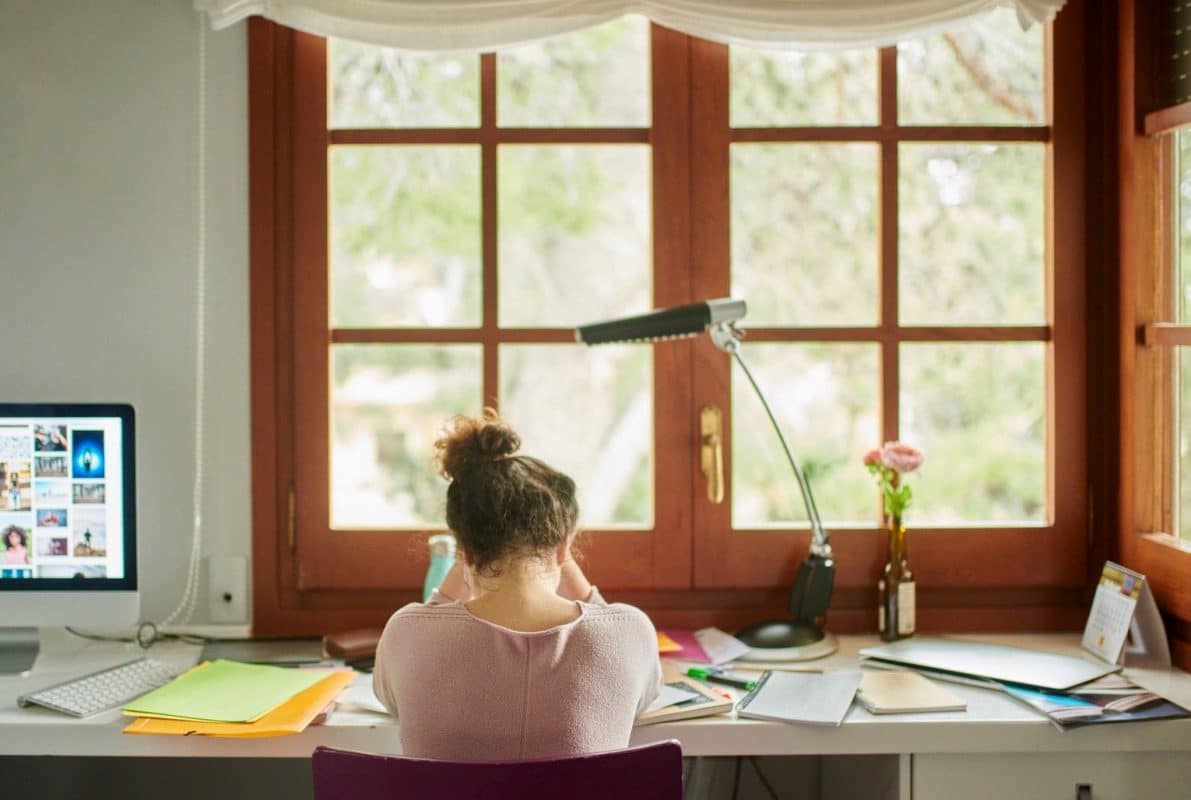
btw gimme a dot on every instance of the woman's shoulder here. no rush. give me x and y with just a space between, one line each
619 614
415 614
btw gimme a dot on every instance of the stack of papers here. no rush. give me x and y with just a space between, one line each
1097 703
680 643
228 698
704 646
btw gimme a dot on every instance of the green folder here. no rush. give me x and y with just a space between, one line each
225 691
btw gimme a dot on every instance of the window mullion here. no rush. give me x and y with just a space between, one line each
890 354
488 224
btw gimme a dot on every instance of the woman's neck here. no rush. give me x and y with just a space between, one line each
522 596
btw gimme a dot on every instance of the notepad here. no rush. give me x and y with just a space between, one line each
225 691
808 698
905 692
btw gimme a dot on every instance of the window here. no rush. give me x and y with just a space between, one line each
1162 386
896 219
888 213
1154 326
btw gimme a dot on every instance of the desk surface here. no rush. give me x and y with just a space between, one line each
993 722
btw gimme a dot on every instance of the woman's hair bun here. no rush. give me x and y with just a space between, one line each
467 442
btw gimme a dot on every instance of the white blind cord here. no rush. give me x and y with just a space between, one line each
185 608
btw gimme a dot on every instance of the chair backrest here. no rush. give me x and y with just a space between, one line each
650 772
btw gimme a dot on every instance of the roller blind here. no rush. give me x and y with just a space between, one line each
494 24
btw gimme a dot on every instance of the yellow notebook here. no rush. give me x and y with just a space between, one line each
290 717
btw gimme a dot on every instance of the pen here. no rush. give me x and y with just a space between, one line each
711 677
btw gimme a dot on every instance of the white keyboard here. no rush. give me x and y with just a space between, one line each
99 691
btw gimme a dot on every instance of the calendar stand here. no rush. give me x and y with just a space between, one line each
1124 626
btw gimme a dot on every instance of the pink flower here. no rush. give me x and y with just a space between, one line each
900 457
872 457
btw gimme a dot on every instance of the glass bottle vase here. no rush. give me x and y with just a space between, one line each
896 601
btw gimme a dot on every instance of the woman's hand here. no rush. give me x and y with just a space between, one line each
454 585
572 583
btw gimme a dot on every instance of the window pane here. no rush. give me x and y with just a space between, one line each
825 397
405 236
587 411
987 73
972 234
377 87
978 411
788 88
804 233
574 233
388 404
1182 245
1182 365
596 77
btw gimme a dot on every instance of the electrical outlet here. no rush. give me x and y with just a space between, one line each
227 588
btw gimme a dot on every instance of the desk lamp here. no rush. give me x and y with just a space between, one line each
801 637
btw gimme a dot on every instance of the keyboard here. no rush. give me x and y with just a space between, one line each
100 691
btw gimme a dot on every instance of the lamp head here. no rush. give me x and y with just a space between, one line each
666 323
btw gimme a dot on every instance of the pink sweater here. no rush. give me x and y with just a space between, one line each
465 689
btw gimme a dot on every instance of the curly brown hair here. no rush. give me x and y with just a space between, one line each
499 503
19 531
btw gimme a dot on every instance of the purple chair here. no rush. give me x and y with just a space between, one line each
650 772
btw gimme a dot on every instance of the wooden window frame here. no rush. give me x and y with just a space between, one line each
1019 577
944 558
634 558
1147 337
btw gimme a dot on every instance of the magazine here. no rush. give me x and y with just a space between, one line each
1117 700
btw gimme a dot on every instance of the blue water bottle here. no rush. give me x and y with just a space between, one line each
442 557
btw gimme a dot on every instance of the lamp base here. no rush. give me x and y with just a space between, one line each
786 640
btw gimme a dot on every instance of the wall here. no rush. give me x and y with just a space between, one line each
98 227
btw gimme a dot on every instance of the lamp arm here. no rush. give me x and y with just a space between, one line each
728 339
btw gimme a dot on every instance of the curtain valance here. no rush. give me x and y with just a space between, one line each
495 24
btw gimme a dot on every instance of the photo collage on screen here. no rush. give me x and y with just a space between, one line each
53 501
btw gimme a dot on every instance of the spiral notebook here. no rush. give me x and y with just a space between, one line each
808 698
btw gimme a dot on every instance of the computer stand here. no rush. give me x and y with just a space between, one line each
18 650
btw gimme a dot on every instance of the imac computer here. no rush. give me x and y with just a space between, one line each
67 522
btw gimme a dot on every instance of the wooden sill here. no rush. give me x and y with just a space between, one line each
1166 562
1165 120
1166 540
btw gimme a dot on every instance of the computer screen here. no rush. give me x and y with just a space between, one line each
67 497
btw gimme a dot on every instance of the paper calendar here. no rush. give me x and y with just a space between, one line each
1124 625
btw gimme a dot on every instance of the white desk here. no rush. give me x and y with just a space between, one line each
996 743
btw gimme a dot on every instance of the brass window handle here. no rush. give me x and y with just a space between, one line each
711 449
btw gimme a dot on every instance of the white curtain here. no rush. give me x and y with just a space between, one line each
495 24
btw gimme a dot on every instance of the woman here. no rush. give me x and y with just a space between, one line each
516 655
16 545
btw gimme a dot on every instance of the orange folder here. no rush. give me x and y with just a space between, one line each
290 717
666 644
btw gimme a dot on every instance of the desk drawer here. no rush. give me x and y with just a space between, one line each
1111 776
